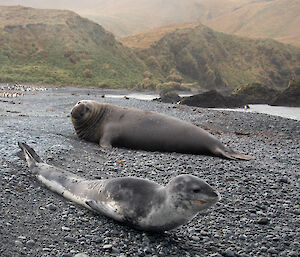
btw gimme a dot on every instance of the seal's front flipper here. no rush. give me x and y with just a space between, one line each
108 208
227 153
106 139
105 143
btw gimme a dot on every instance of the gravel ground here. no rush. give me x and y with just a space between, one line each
258 214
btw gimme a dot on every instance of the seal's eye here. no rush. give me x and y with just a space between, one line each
87 109
197 190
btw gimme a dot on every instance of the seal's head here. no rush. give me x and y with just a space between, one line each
86 116
191 193
82 110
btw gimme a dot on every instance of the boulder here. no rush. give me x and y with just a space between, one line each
168 96
255 93
213 99
290 96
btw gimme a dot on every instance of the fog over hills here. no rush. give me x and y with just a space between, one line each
124 17
277 19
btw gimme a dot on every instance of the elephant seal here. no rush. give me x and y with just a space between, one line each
140 203
111 125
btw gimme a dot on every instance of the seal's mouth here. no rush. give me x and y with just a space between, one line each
200 201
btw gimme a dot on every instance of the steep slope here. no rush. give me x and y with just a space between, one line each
217 60
60 47
277 19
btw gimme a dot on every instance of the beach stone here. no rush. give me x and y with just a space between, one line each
284 180
263 221
65 228
30 243
107 247
81 255
70 239
273 251
51 207
229 253
67 255
18 243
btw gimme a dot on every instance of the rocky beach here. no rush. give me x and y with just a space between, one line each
258 214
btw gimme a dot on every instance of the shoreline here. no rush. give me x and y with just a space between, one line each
281 111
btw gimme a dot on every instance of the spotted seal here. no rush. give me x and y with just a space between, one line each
111 125
140 203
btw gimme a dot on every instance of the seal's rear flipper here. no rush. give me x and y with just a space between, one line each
30 155
230 154
242 156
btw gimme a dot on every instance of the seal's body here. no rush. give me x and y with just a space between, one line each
140 203
111 125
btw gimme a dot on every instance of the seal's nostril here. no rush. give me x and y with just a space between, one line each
79 102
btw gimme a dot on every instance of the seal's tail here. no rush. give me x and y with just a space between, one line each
30 155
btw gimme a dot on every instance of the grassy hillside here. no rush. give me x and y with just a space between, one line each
277 19
216 59
60 47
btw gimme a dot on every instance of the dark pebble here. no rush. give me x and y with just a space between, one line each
97 239
273 251
70 239
263 221
284 180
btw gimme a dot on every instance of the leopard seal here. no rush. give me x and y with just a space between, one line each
110 125
140 203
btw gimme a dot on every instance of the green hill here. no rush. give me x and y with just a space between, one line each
217 60
60 47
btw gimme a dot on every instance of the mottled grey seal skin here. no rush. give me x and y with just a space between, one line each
111 125
140 203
